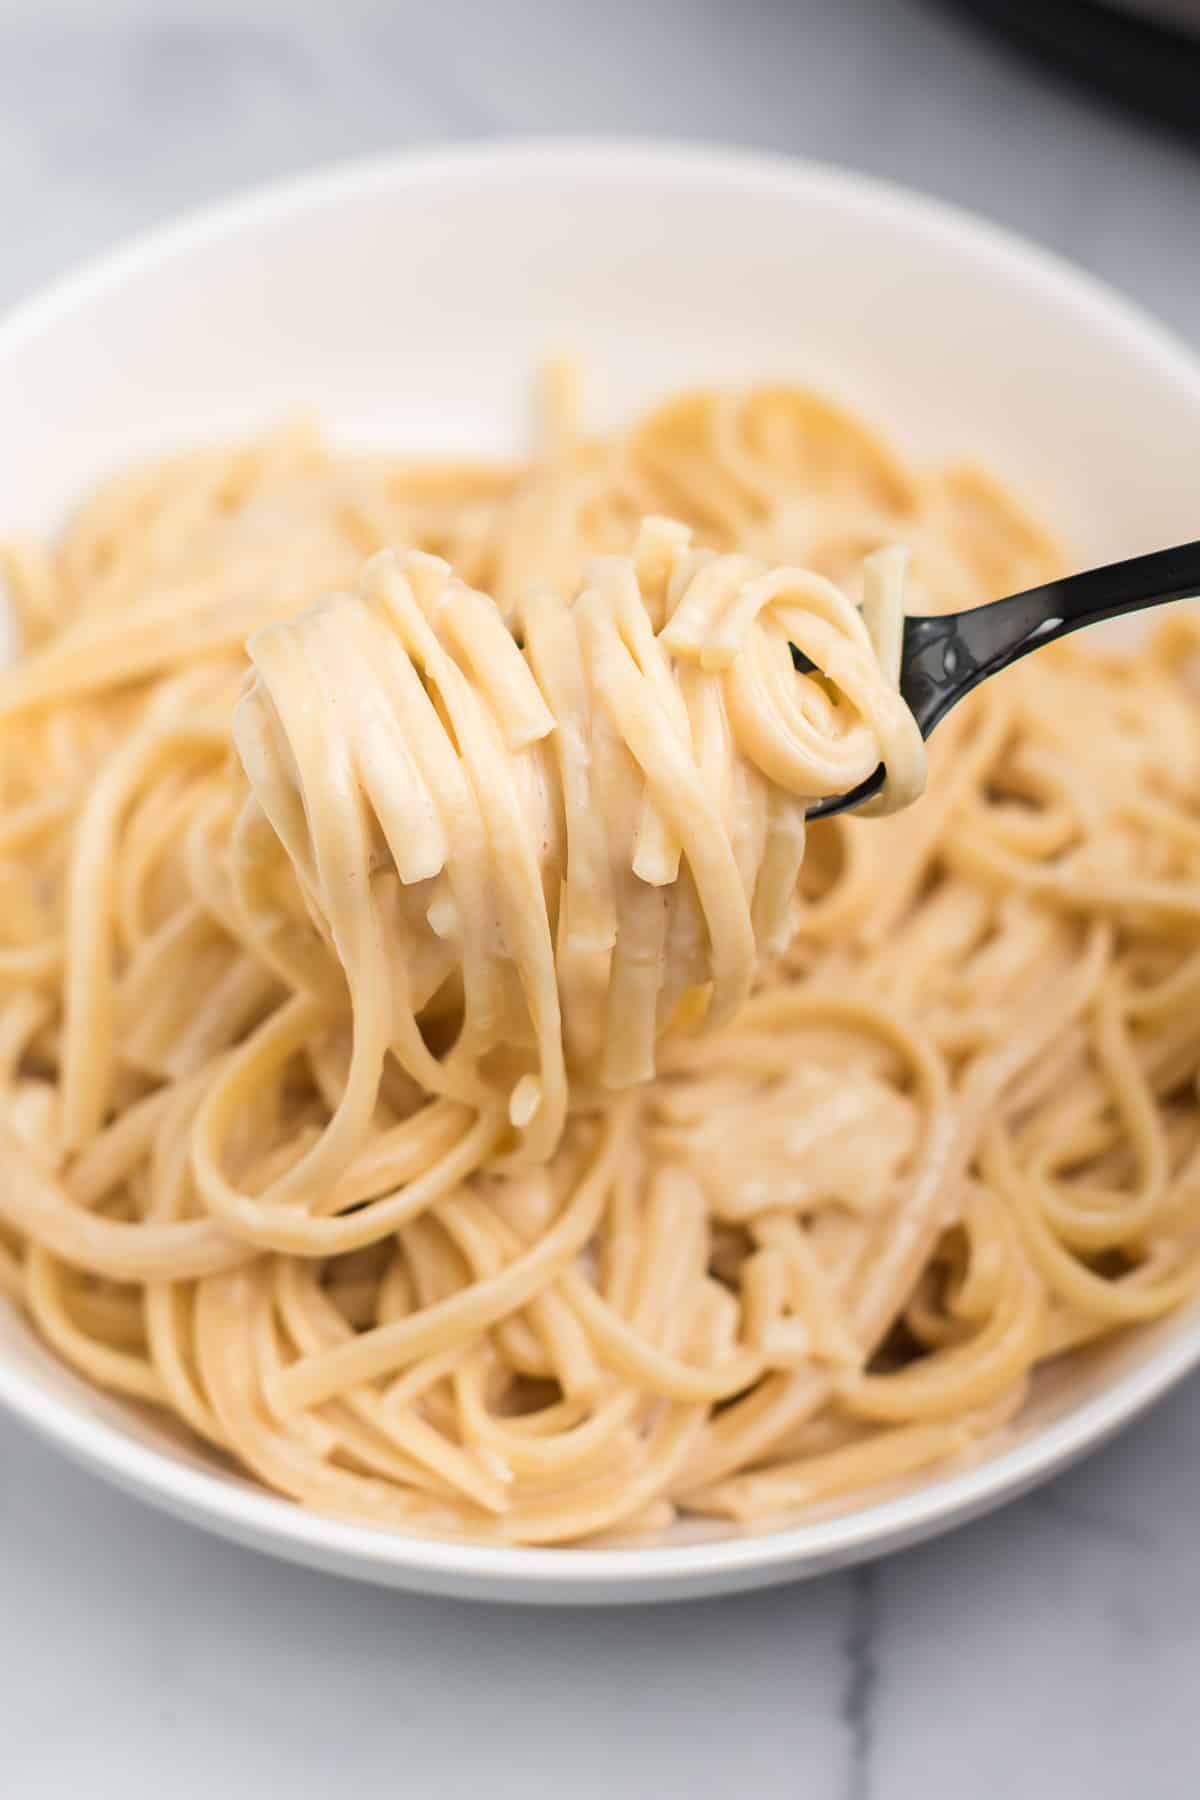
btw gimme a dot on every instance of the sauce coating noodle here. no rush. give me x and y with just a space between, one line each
445 1090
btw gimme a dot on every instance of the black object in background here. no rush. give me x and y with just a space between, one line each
1144 53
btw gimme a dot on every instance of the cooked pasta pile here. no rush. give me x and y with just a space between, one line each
547 852
429 1070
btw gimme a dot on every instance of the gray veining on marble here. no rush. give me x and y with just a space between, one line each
861 1655
1049 1652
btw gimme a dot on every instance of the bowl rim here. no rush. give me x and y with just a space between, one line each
280 1526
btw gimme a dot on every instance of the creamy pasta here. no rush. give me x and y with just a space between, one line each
432 1068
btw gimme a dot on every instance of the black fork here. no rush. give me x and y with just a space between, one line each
943 658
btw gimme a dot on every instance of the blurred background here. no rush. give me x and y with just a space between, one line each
117 112
1049 1651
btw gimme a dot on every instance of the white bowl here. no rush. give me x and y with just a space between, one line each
406 300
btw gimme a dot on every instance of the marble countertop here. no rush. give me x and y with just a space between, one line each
1051 1650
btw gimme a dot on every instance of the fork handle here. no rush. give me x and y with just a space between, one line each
944 658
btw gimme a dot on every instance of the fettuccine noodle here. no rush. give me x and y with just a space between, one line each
432 1068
